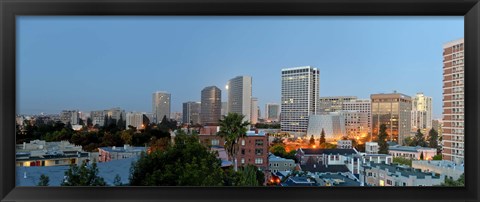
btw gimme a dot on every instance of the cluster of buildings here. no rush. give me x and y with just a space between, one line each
303 113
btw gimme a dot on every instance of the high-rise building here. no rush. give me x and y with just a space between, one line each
360 105
254 112
334 103
136 119
393 110
453 101
240 96
191 112
211 105
356 123
70 116
300 92
272 112
161 106
112 115
421 112
224 110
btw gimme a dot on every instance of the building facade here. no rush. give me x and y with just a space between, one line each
333 124
394 175
70 116
421 112
412 152
114 153
393 110
300 93
356 123
272 112
191 112
161 106
254 111
453 101
360 105
210 105
137 119
240 96
334 103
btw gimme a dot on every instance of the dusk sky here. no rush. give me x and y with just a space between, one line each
96 63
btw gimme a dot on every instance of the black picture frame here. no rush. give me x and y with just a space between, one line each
9 9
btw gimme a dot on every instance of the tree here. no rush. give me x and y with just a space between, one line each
322 137
121 123
419 139
232 128
117 181
89 122
460 182
44 180
84 175
186 163
437 157
433 138
382 140
312 141
401 160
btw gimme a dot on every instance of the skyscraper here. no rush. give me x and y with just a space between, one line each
240 96
160 106
300 92
272 112
360 105
191 112
211 105
254 111
393 110
334 103
421 112
453 101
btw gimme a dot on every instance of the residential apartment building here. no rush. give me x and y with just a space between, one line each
446 168
395 175
453 101
42 153
300 93
113 114
240 96
421 113
114 153
393 110
161 106
137 119
356 123
412 152
210 105
279 164
191 112
70 116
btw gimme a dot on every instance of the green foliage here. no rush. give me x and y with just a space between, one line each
117 181
232 128
433 138
84 175
460 182
186 163
419 139
44 180
267 125
322 137
382 140
403 161
312 140
279 150
437 157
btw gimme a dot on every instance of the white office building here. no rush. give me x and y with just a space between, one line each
240 96
300 93
160 105
421 112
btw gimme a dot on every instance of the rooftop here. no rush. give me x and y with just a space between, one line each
298 181
324 169
404 171
328 151
123 149
408 148
340 180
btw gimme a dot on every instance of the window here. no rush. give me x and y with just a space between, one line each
258 142
243 151
215 142
243 161
258 161
243 142
258 152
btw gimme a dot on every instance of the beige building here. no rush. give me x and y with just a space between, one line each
42 153
421 113
393 110
453 101
394 175
210 105
160 106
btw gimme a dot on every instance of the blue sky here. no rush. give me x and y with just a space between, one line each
92 63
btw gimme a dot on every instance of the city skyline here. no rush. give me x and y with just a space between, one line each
77 51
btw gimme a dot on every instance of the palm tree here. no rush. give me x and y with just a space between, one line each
232 128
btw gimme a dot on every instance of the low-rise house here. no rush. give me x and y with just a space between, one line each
338 180
106 154
324 156
278 164
374 174
298 182
412 152
344 144
447 168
